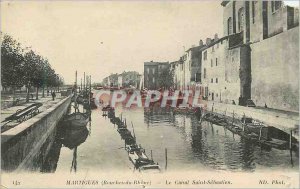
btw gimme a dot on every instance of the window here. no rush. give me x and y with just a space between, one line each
205 55
275 5
211 63
254 4
216 61
211 80
229 25
216 80
241 19
153 70
153 80
204 74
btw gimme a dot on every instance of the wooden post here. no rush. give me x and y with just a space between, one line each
232 118
76 79
291 152
133 130
83 81
260 133
90 91
166 155
291 133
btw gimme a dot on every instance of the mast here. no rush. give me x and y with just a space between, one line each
133 131
90 91
76 79
84 80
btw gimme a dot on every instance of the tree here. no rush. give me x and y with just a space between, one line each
165 78
11 64
29 69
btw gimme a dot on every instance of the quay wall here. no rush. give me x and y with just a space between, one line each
24 146
283 121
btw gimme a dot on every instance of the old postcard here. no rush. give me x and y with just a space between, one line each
149 94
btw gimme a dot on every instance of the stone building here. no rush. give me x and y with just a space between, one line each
130 79
111 80
152 71
225 69
192 65
271 30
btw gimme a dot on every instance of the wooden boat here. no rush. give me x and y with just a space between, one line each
124 132
138 157
184 110
76 119
111 113
93 104
215 118
74 136
80 99
107 108
153 168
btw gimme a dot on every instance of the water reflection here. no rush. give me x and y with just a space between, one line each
219 148
191 145
66 136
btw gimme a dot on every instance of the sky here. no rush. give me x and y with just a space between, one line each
104 37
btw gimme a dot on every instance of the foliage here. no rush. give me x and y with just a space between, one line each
25 69
165 78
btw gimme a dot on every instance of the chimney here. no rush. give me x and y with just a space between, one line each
208 41
201 43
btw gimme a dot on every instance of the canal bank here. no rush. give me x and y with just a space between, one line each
23 145
283 120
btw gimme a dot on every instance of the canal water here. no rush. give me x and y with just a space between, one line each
190 146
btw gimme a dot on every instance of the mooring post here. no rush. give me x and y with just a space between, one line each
166 155
83 81
260 133
232 118
291 152
151 155
290 143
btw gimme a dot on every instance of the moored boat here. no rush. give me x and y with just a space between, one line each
76 119
74 136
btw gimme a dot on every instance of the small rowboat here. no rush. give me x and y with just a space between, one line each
138 157
107 108
153 168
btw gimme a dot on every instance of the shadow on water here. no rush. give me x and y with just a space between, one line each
67 136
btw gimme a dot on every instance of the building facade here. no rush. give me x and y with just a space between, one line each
271 30
152 72
226 75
